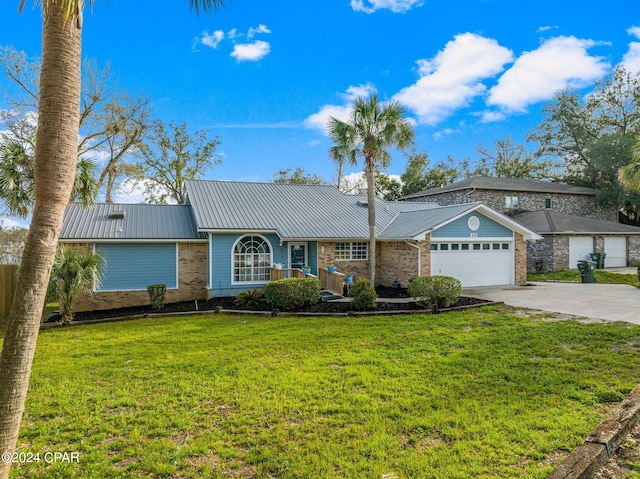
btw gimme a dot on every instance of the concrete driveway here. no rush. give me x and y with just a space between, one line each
609 302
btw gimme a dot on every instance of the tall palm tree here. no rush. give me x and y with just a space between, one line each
371 129
54 172
629 175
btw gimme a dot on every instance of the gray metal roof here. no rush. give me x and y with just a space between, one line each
314 211
506 184
552 222
141 221
408 224
293 211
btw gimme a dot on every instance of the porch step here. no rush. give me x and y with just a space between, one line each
329 295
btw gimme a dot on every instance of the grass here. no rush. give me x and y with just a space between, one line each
601 276
488 393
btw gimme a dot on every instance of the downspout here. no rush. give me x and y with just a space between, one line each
419 255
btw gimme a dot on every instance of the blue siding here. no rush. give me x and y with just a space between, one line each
459 228
134 266
221 258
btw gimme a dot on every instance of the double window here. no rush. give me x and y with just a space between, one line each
252 260
352 251
511 202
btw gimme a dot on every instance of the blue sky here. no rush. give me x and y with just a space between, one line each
264 76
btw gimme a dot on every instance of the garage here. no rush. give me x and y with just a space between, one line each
478 263
580 248
615 247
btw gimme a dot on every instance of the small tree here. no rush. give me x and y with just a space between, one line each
74 273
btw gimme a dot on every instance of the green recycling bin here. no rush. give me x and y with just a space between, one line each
587 271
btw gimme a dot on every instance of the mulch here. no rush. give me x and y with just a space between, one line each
227 303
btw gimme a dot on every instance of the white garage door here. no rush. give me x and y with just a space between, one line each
615 248
474 264
580 248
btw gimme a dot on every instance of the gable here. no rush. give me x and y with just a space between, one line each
463 227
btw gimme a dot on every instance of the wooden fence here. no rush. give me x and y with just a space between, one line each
7 287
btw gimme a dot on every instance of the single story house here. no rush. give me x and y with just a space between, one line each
230 237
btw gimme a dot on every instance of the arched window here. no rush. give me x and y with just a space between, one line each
251 260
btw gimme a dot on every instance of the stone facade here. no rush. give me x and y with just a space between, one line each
192 282
569 204
633 250
520 276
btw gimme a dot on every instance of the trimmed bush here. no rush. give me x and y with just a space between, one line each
435 292
292 293
157 294
363 294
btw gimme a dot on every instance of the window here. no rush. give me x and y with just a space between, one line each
476 246
251 260
548 203
464 246
352 251
511 202
434 246
505 246
455 247
444 247
485 246
495 246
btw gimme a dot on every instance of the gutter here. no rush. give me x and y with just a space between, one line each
419 255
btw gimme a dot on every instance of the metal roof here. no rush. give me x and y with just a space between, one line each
505 184
314 211
140 221
552 222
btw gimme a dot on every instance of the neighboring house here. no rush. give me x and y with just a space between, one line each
572 225
229 236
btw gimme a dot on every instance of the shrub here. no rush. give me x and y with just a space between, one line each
292 293
73 273
363 294
157 293
435 291
249 298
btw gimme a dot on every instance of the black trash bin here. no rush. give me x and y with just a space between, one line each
587 271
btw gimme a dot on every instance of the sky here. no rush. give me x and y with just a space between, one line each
266 76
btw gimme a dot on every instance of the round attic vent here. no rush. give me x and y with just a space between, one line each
473 223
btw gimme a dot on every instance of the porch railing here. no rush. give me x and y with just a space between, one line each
333 282
283 273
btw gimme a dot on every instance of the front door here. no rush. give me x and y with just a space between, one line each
297 255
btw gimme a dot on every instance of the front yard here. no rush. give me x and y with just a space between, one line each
490 392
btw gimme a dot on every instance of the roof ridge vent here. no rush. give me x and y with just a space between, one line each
117 214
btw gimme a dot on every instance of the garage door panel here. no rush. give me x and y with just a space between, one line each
615 248
580 248
475 268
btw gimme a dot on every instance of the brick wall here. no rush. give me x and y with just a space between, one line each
192 282
520 260
633 250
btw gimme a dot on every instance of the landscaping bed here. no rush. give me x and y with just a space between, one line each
227 303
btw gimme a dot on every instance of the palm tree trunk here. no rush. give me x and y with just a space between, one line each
371 207
55 166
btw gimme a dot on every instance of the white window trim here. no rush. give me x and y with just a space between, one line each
233 248
366 243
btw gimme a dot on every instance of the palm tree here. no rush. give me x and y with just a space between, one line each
54 173
629 175
74 273
370 130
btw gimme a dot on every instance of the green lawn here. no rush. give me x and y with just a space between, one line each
601 276
488 392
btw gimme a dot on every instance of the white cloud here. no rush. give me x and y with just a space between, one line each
489 116
251 52
546 28
396 6
631 59
558 63
320 119
438 135
212 40
233 33
259 29
134 191
8 223
453 77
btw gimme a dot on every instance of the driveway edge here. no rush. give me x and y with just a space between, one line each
585 460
